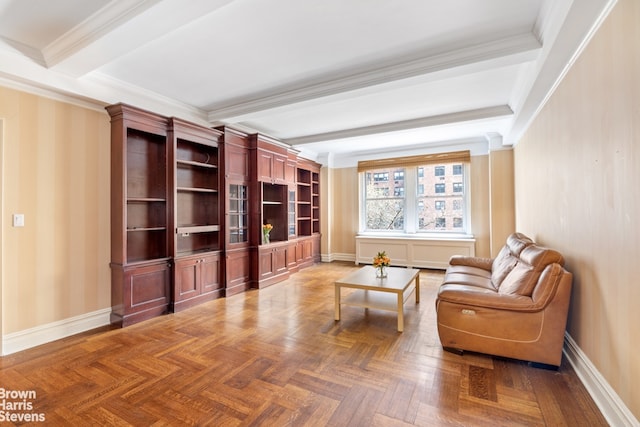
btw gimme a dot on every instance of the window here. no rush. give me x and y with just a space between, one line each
382 211
420 198
381 176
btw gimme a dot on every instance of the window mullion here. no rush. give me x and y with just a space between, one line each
410 200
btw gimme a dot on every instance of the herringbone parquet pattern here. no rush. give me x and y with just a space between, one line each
276 357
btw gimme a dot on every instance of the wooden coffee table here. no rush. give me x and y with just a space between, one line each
388 293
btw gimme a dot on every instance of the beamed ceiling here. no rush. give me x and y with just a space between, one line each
335 79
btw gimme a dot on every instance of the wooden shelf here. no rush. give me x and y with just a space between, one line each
146 229
197 229
197 190
144 200
196 164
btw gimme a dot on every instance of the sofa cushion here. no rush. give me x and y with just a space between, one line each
508 256
524 276
502 265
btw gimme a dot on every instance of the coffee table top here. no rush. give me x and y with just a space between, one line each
398 278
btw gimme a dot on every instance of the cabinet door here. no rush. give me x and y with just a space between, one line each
291 256
237 215
279 168
279 260
187 280
271 167
237 162
266 263
210 273
237 269
265 166
146 292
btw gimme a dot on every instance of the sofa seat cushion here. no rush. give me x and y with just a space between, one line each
482 297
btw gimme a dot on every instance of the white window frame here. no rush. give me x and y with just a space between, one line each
410 214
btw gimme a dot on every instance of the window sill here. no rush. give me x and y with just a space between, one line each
418 236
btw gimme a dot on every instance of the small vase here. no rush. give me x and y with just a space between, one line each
381 272
265 239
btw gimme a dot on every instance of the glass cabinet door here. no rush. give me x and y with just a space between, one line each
292 213
238 214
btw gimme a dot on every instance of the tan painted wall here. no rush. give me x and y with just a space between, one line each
502 196
577 190
56 172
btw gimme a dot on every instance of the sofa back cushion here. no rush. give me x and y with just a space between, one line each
523 277
508 257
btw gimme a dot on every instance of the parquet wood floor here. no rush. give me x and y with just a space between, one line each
276 357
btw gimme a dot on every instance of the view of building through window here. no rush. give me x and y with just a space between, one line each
436 198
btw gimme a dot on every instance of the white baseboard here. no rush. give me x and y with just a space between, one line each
607 400
338 257
28 338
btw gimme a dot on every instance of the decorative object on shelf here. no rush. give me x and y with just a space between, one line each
266 229
381 261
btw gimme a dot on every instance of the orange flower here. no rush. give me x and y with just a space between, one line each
381 260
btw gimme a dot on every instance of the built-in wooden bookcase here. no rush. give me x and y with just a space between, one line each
315 202
141 246
196 210
303 202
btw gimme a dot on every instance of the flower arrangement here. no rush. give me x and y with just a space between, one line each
266 229
381 261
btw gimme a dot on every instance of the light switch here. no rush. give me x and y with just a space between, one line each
18 220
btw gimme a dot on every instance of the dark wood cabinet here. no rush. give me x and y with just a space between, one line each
141 246
271 160
272 264
237 271
197 278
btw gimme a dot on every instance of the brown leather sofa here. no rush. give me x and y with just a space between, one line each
514 305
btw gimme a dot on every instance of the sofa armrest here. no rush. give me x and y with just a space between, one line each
483 263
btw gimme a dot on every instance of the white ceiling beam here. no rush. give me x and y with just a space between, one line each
497 53
115 30
499 111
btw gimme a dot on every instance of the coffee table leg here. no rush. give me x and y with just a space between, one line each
337 303
418 288
400 312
